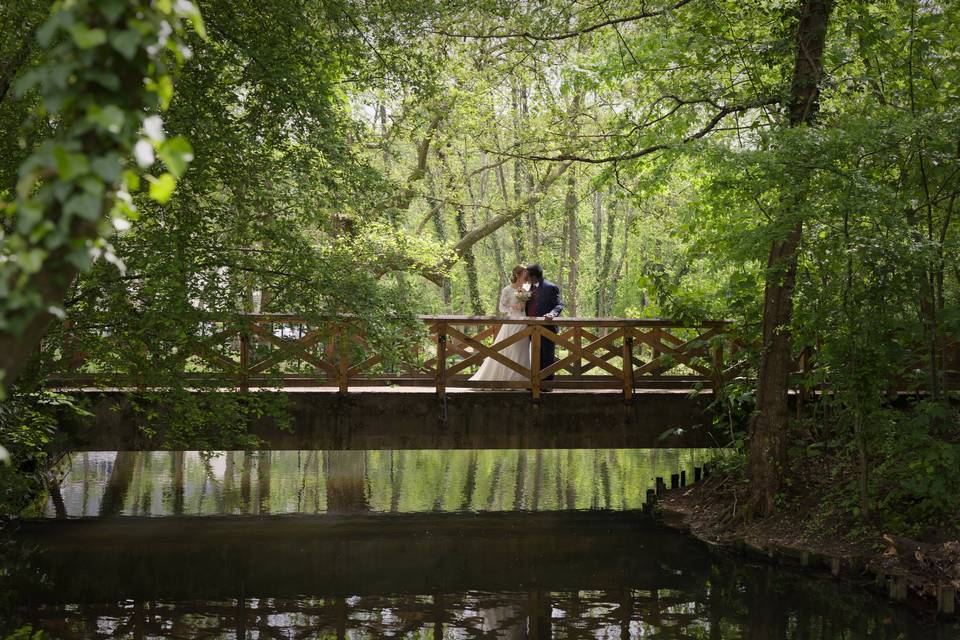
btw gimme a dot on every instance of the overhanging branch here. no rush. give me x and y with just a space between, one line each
707 128
539 37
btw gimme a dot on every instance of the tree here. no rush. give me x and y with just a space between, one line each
770 423
106 75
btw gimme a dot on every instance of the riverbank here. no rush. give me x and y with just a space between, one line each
924 575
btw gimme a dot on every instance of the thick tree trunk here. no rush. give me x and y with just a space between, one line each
767 460
18 348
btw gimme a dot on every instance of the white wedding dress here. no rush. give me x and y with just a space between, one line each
519 351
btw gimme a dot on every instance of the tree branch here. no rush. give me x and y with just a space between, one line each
528 35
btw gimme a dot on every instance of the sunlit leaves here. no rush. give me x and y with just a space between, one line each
176 154
161 187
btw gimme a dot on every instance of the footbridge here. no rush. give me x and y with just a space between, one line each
616 382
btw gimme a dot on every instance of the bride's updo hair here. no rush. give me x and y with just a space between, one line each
517 272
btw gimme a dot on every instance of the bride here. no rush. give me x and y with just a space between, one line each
513 304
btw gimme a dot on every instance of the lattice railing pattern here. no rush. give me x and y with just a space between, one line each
284 350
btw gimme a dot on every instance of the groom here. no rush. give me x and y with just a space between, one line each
544 302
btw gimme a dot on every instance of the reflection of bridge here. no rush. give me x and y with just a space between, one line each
535 576
282 350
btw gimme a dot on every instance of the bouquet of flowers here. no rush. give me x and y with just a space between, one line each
522 294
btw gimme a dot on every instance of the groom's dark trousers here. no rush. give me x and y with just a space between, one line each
546 299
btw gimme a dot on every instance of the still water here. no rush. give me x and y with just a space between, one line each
406 544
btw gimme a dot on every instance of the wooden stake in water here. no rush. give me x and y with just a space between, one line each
946 600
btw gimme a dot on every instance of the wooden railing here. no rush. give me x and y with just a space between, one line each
282 350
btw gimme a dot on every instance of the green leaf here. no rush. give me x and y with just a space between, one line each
108 167
59 20
87 38
162 188
126 42
109 118
31 260
29 214
112 9
176 153
105 79
188 10
70 165
163 87
131 180
92 185
84 205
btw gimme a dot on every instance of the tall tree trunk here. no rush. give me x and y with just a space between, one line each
933 275
767 459
517 228
392 212
502 181
618 272
533 230
604 279
493 238
438 226
564 236
597 247
570 209
470 265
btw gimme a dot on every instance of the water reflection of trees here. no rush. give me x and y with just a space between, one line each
724 607
262 482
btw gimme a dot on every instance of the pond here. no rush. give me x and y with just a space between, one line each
408 544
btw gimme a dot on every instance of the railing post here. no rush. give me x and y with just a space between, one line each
245 358
343 360
535 338
717 358
441 359
627 364
578 340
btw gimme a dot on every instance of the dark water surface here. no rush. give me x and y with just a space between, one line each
406 544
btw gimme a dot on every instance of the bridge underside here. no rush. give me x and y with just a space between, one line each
378 418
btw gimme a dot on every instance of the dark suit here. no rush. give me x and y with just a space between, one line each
546 299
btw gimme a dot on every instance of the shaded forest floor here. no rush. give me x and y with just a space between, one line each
921 572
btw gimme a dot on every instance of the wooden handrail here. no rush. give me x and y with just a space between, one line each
562 320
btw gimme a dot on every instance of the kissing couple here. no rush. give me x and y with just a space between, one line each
528 295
